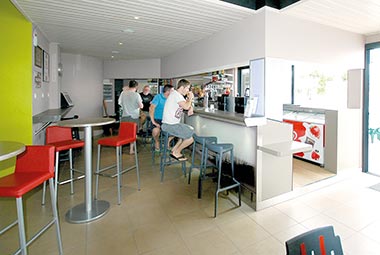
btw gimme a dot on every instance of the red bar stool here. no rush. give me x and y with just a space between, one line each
127 135
33 167
62 139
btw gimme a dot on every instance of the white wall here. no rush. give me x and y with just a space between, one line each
40 94
372 38
232 47
83 80
295 39
143 68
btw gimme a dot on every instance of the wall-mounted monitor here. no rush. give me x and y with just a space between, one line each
66 100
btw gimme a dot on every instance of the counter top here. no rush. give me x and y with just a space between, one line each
285 148
51 115
231 117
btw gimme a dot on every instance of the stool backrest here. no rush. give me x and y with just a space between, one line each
317 241
58 134
36 158
127 130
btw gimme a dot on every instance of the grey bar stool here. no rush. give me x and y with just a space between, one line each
165 159
220 149
200 140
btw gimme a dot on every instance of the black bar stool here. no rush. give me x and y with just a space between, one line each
201 140
166 160
219 149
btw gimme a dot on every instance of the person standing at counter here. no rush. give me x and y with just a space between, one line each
131 103
171 121
156 111
146 97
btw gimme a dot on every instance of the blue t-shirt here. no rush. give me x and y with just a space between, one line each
159 101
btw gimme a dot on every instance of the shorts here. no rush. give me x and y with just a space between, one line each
153 126
130 119
179 130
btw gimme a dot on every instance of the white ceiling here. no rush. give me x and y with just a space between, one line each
95 27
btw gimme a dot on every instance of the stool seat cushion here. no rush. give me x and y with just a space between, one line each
17 184
220 147
67 145
201 139
116 141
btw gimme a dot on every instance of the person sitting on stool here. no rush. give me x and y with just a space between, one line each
156 111
173 110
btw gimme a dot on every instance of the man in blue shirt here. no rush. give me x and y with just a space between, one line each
156 110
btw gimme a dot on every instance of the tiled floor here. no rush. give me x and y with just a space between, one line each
167 218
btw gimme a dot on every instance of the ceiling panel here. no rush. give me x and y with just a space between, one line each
95 27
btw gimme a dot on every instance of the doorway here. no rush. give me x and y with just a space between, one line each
371 127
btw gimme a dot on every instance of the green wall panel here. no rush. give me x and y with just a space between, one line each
15 79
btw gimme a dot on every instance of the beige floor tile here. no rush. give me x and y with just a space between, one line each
193 223
244 232
322 220
297 210
272 220
265 247
179 249
212 241
290 232
353 217
360 244
154 236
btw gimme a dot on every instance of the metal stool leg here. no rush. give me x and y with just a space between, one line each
71 171
118 159
137 167
97 172
21 225
55 215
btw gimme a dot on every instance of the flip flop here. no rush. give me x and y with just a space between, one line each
180 158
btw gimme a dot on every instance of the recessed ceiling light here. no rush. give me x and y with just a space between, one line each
136 17
112 56
120 43
128 30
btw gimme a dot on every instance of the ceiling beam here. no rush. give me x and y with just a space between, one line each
257 4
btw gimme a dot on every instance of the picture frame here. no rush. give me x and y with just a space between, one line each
46 69
38 56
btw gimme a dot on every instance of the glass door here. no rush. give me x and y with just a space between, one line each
371 139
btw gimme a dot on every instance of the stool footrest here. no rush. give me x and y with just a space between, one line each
114 175
31 240
69 180
2 231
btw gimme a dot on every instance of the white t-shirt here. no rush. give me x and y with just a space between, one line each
130 101
172 110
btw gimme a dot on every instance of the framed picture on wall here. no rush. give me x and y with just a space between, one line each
38 56
46 69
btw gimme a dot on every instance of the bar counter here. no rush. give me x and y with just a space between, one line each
230 117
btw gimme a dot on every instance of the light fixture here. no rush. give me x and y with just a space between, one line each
115 52
120 43
136 17
112 56
128 30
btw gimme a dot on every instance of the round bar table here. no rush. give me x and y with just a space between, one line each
91 209
9 149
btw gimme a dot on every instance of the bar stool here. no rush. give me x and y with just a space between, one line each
165 159
62 139
127 135
220 149
33 167
201 140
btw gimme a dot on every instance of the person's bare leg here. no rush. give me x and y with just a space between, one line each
131 151
176 146
156 137
185 143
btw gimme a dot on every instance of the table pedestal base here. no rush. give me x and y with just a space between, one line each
78 213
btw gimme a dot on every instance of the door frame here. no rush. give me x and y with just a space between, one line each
368 47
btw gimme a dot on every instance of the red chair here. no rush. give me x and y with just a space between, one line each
62 139
127 135
33 167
